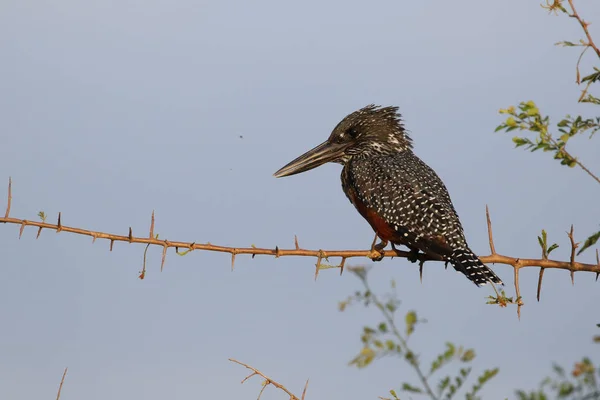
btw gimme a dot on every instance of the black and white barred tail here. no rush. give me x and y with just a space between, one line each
469 264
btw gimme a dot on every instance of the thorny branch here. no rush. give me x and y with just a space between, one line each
152 240
268 381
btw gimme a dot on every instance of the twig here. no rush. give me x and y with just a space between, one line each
569 156
268 381
518 290
584 25
391 323
61 384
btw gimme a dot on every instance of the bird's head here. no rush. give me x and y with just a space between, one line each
370 131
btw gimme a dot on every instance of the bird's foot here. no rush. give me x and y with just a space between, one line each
377 253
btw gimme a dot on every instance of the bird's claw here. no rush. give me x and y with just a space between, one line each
376 254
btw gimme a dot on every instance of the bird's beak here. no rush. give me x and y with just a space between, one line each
321 154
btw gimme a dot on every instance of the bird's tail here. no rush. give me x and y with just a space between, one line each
469 264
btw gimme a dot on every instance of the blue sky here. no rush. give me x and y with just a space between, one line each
114 109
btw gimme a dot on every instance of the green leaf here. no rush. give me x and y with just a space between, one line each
558 370
519 141
411 320
364 358
443 358
566 44
589 242
553 247
482 380
409 388
468 355
592 77
443 384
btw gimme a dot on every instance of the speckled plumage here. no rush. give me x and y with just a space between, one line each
401 197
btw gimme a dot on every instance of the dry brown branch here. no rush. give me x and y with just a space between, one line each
61 384
152 240
268 381
277 252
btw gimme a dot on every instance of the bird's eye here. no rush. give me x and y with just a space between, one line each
351 132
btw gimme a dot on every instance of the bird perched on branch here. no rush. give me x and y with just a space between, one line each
401 197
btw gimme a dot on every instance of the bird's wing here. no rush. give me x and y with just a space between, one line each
409 197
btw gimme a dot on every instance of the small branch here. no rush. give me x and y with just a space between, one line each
389 317
518 290
268 381
61 384
568 155
584 25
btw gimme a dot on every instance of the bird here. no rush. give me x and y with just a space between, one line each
400 196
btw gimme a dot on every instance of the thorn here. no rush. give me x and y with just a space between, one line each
164 255
489 226
192 246
9 197
38 233
304 391
94 236
112 241
539 286
22 228
130 236
233 258
152 226
59 225
342 265
276 252
573 278
318 265
62 381
296 242
421 270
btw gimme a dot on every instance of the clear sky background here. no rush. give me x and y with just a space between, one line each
112 109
